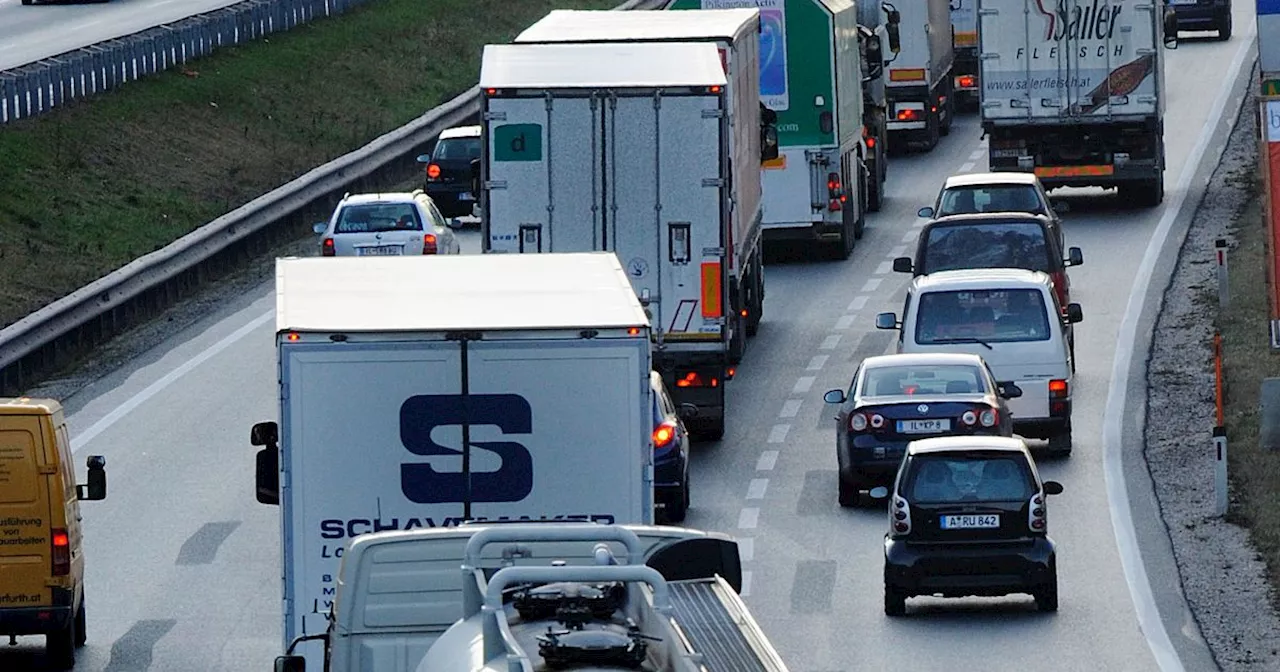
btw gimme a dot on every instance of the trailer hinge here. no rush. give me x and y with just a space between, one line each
648 473
1144 51
988 56
712 114
713 182
713 251
495 184
494 116
463 336
988 12
284 391
1148 99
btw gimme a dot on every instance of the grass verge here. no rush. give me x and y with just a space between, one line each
86 189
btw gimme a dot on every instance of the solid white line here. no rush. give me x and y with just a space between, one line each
779 433
748 518
899 250
803 384
84 437
845 321
858 303
884 267
746 583
872 284
768 459
830 342
966 166
1113 433
817 362
789 408
746 549
755 490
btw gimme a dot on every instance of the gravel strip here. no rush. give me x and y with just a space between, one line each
1223 576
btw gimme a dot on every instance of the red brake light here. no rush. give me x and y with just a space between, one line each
871 143
326 248
429 243
1057 388
663 435
292 336
61 552
433 171
907 115
694 379
966 81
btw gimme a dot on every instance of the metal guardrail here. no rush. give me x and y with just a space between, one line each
49 337
38 87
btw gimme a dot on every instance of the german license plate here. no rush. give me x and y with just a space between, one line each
380 251
466 196
924 426
971 522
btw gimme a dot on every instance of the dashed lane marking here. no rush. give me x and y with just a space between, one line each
803 384
872 285
858 303
767 460
830 342
817 362
748 518
755 490
884 267
845 322
790 408
779 433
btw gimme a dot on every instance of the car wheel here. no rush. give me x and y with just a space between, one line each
895 601
1224 27
706 430
1047 594
81 638
1060 443
60 647
850 492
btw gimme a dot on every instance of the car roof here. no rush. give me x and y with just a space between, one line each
922 358
385 197
982 278
977 179
958 444
460 132
988 217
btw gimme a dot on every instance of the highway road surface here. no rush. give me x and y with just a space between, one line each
183 564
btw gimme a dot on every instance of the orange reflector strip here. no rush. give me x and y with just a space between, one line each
1072 171
711 289
775 164
906 74
965 39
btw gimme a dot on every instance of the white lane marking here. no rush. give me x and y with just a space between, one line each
746 584
966 166
976 155
1113 432
872 284
789 408
845 322
898 251
919 224
779 433
748 518
746 549
768 459
755 490
884 267
858 303
817 362
911 235
803 384
83 438
830 342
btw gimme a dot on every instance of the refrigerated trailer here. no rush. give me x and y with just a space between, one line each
638 149
964 37
422 392
1073 91
921 104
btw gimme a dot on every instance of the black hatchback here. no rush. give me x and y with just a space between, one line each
967 516
448 171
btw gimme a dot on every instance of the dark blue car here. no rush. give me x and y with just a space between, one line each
670 456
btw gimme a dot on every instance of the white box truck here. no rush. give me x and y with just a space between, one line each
637 149
920 75
1074 91
419 392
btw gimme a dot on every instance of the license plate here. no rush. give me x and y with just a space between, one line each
379 251
924 426
970 522
1184 2
466 196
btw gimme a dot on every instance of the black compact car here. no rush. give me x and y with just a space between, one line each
448 171
967 516
1212 15
895 399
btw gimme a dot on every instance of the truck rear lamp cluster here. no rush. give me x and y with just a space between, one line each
429 244
1058 389
909 115
966 81
326 248
835 192
900 516
1036 519
61 552
695 379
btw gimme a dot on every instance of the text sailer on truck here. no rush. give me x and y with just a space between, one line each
643 149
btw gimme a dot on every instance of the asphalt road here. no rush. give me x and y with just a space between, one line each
183 563
30 33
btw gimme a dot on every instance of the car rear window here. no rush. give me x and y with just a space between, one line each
376 217
992 316
457 148
991 198
956 478
18 477
921 379
950 247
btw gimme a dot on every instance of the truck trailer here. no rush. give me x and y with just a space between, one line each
964 37
423 392
1074 91
877 36
811 77
639 149
920 75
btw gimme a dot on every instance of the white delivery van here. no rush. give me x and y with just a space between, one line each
419 392
1012 319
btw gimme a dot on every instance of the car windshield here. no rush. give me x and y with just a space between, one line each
375 217
457 148
991 198
950 247
921 379
989 315
956 478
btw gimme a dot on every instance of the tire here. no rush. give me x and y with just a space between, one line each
848 494
81 638
875 189
26 2
860 224
1047 594
895 601
60 647
707 430
1060 443
944 127
1224 27
1071 347
738 342
755 302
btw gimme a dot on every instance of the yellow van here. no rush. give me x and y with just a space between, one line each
41 563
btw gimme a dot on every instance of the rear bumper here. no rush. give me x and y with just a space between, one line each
448 198
1202 16
959 570
38 620
668 474
869 461
804 231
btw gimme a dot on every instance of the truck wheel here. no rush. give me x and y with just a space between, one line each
1060 443
860 224
895 601
946 109
875 187
738 341
81 638
707 430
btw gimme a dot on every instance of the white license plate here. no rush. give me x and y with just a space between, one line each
924 426
380 251
466 196
970 522
1184 2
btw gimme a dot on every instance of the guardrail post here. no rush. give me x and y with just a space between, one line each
1224 290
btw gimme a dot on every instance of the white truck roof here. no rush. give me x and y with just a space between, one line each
472 292
612 64
576 25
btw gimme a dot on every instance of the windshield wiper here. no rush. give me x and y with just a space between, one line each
967 339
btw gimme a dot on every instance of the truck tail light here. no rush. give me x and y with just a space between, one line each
61 552
966 81
711 289
908 115
326 248
433 172
695 379
429 243
1060 286
835 192
664 434
1058 389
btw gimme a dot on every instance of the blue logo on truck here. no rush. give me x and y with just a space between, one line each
421 414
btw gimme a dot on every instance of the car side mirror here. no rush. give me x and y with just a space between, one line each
1052 488
768 143
687 411
1009 390
887 321
96 488
291 664
878 492
320 227
1075 257
834 397
424 158
902 265
925 212
1074 313
1170 29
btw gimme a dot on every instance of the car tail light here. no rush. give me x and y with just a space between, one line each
1060 286
908 115
1036 514
900 516
664 434
695 379
969 418
433 172
326 248
835 192
871 143
857 422
989 417
876 420
61 554
1058 389
429 243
